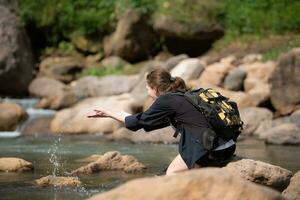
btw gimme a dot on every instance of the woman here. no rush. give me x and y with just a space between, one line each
171 109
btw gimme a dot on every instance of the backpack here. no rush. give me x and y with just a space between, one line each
222 114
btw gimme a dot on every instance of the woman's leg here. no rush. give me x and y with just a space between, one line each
177 165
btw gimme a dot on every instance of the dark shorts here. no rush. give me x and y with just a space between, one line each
218 158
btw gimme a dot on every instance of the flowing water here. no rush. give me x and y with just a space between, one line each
58 155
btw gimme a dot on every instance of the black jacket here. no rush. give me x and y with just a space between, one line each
170 109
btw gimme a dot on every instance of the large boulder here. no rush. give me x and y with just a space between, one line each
193 38
292 192
57 181
188 69
16 59
261 173
112 160
91 86
207 183
285 83
10 116
164 135
287 133
133 39
54 94
65 69
253 117
11 164
74 120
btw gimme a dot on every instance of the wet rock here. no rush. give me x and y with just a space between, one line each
235 79
253 117
133 39
10 116
287 133
11 164
74 120
37 126
65 69
292 192
57 181
261 173
16 59
285 83
112 160
188 69
207 183
164 135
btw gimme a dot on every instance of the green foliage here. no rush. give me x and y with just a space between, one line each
190 10
61 18
261 16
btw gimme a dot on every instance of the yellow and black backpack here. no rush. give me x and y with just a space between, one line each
221 113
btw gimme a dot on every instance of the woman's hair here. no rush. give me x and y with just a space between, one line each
164 82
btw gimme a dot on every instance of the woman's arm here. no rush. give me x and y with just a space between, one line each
119 116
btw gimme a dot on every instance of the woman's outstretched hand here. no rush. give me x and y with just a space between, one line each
120 116
99 114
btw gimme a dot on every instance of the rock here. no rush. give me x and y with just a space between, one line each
292 192
188 69
258 71
207 183
56 95
192 38
253 117
113 62
37 126
285 78
235 79
74 120
65 69
215 73
164 135
251 58
262 173
260 94
287 133
267 124
295 117
173 61
10 116
133 39
90 86
86 44
46 87
11 164
57 181
16 59
112 160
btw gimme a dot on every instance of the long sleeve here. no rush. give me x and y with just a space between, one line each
156 117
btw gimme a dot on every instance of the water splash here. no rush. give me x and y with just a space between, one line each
55 157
